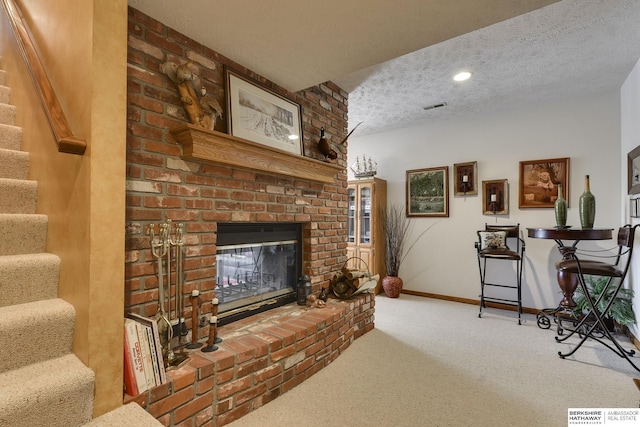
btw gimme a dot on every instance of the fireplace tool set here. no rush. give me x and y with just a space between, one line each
170 322
170 314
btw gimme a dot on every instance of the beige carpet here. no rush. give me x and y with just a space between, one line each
435 363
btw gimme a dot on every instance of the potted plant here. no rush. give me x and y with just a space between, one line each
397 226
621 311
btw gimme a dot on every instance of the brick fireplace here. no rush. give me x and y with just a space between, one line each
167 179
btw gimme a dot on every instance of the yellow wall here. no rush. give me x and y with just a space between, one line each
84 47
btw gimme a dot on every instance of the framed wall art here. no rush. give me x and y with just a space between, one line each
260 115
634 212
633 170
428 192
539 179
495 197
465 179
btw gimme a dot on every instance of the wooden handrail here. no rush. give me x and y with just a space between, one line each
67 142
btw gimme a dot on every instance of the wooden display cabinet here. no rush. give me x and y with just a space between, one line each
365 234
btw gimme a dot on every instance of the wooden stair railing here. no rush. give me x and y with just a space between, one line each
67 142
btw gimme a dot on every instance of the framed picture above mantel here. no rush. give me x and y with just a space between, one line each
258 114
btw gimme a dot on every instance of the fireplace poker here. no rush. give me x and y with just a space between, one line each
168 242
180 279
174 315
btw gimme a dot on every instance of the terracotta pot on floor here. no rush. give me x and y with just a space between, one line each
392 286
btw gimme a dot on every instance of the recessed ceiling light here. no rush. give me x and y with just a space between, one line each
462 76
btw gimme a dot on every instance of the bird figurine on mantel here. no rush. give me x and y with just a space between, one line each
210 107
325 148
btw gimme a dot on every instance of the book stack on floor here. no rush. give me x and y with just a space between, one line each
143 363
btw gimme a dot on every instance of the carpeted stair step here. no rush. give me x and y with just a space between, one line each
28 278
34 332
14 164
10 137
5 94
3 78
131 414
54 393
18 196
7 114
22 234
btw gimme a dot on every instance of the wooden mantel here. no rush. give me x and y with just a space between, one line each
202 145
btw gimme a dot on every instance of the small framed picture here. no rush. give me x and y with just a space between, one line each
539 181
465 179
633 208
633 170
428 192
495 197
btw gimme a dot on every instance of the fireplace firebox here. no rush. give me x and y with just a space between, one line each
257 267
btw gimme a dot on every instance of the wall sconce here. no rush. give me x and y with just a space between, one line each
495 197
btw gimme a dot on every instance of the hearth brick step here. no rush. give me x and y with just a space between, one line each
260 358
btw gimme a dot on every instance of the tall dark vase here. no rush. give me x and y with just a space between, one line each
587 205
561 208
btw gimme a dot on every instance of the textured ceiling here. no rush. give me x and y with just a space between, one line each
300 43
566 49
562 49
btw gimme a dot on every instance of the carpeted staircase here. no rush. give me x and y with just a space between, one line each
42 383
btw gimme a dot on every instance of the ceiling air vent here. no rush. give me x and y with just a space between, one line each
439 105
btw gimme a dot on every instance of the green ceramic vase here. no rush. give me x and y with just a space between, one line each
561 208
587 205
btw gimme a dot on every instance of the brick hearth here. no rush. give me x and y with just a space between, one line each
259 359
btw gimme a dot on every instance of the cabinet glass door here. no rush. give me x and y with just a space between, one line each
351 215
365 215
